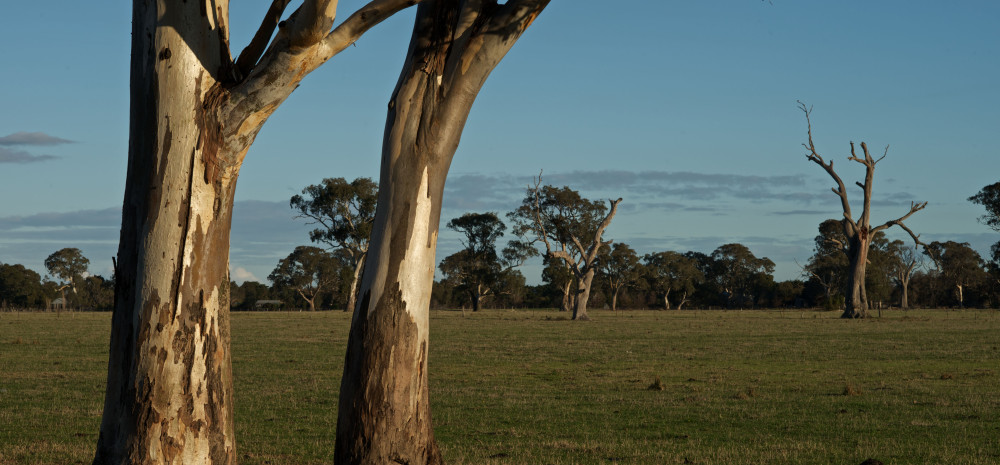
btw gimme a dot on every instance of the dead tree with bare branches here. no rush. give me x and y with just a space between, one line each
859 232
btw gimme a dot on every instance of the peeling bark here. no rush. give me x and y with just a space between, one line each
193 115
384 415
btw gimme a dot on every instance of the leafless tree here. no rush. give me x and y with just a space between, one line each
859 232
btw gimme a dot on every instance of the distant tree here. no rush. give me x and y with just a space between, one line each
959 265
787 293
742 276
879 272
828 264
20 287
67 265
558 277
858 232
989 198
478 269
514 289
309 271
95 293
252 292
903 261
668 272
620 267
346 212
570 227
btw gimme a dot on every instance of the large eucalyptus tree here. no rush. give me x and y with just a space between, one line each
858 232
571 229
345 211
194 111
384 412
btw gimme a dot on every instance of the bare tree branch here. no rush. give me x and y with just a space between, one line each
249 56
294 53
596 243
815 157
914 207
360 22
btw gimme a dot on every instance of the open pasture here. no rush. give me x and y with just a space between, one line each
518 387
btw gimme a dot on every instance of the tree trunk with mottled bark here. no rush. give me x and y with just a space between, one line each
384 414
169 396
193 114
583 296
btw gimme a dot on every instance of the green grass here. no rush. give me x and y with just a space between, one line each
516 387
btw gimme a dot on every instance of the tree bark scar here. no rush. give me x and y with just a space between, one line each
210 135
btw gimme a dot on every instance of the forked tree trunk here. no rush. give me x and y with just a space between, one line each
193 115
384 413
614 299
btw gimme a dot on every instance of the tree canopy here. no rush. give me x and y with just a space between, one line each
345 211
989 198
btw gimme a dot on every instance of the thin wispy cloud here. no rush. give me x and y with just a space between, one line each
32 138
20 156
107 218
670 191
803 212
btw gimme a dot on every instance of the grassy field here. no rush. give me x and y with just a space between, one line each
529 387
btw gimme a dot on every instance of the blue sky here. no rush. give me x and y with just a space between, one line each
685 109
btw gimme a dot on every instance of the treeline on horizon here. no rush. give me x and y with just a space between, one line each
899 274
